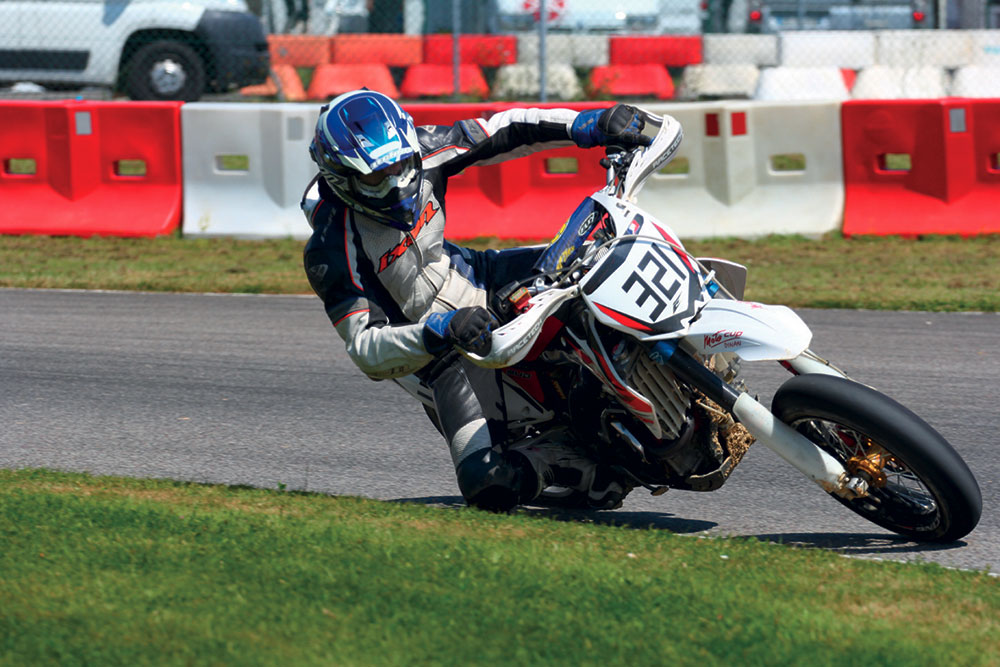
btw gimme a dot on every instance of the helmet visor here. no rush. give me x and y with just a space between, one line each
392 191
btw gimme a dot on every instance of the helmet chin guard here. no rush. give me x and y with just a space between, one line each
362 133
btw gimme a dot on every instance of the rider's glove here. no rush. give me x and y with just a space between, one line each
469 328
617 127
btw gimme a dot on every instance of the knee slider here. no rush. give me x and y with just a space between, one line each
496 481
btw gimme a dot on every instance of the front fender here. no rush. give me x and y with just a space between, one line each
752 331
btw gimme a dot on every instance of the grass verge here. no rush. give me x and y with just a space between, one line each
932 273
101 570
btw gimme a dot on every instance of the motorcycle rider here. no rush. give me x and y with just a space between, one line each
402 297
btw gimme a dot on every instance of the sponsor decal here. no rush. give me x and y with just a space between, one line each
395 253
528 382
723 338
563 256
559 233
526 338
317 272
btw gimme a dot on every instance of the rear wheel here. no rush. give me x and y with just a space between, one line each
165 70
918 485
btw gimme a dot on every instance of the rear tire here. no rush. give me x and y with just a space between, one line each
929 494
165 70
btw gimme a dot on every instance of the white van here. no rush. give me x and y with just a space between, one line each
150 49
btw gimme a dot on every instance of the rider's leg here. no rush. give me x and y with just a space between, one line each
495 269
498 481
488 478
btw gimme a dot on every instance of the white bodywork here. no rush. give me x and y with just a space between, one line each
670 281
752 331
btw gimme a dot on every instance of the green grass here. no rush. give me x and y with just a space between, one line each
99 570
932 273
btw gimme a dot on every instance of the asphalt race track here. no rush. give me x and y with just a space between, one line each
258 390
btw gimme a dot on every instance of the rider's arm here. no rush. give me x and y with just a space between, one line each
506 135
380 349
518 132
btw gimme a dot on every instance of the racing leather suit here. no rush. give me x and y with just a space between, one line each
378 284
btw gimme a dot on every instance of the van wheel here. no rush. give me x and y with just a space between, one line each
165 70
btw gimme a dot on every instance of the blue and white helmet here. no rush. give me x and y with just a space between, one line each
367 151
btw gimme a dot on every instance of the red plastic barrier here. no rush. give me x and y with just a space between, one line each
433 113
85 168
288 80
332 80
482 50
299 50
849 76
386 49
631 81
952 182
436 80
525 198
672 51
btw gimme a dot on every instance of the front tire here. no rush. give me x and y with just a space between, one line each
928 493
165 70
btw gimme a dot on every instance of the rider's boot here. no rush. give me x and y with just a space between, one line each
560 466
496 481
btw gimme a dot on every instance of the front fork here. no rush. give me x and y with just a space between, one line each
788 443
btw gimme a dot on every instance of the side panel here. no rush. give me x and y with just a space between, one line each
595 359
82 40
11 34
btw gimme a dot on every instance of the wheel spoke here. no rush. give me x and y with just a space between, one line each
902 498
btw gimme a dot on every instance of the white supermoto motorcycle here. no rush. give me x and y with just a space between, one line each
629 346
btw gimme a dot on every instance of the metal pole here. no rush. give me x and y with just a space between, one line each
543 20
456 55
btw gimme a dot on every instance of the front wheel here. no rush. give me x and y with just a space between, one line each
918 485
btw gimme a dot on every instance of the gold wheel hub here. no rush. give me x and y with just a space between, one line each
871 465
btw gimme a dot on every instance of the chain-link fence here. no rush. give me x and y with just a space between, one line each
527 50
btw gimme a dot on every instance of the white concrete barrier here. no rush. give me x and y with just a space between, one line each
523 82
760 50
719 81
985 47
784 84
916 48
245 167
879 82
575 50
749 169
976 81
850 49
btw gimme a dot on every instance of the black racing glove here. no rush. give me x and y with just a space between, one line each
469 328
618 127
